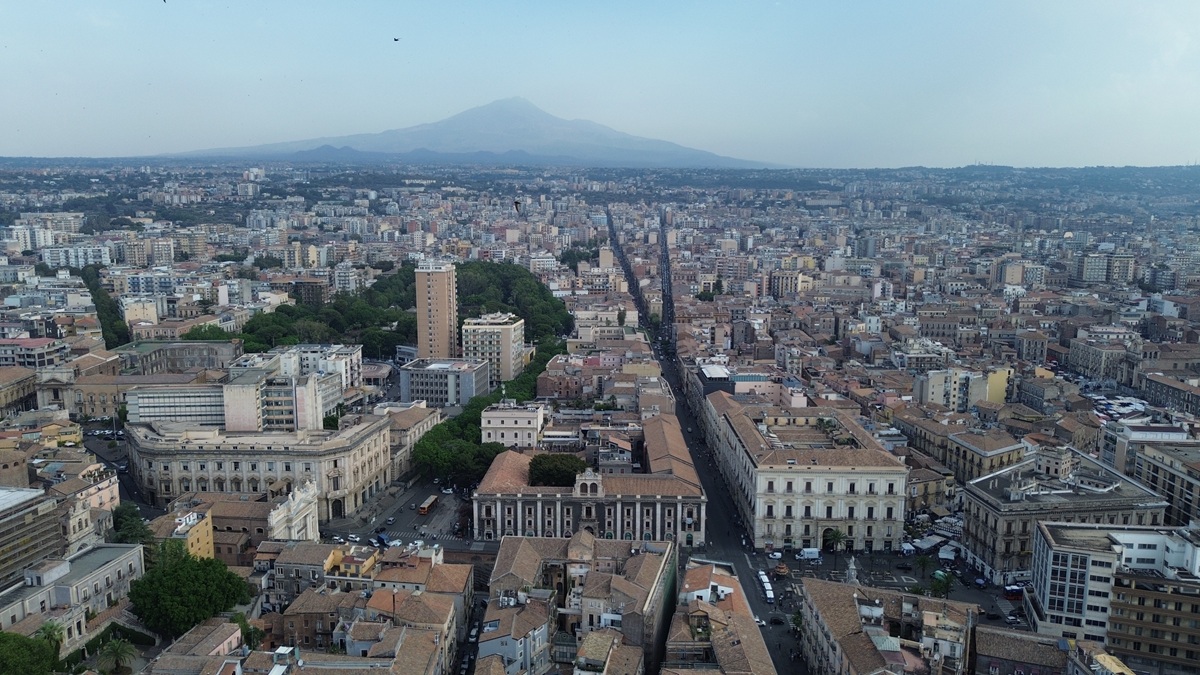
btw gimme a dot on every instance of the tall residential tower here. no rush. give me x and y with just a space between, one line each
437 310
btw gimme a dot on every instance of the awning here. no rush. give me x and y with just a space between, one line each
940 511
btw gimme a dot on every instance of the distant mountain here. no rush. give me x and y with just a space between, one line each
509 131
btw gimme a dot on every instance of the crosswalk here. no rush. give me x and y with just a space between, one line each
413 535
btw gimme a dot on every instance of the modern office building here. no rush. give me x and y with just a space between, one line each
1134 589
437 310
500 339
443 382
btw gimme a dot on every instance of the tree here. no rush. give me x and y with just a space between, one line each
621 314
835 539
128 527
181 590
798 621
555 469
719 286
923 563
331 422
207 332
28 656
251 635
116 654
263 262
941 584
53 634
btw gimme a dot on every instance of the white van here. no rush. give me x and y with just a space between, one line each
770 597
808 554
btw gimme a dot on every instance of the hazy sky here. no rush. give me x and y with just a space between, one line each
818 84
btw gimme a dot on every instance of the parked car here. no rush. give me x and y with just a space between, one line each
1012 620
777 621
338 540
390 520
354 537
904 566
993 615
380 530
759 621
447 491
775 555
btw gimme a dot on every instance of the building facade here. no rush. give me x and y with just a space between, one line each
348 466
1057 484
443 382
437 310
500 339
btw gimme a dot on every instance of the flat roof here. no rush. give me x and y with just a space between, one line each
11 498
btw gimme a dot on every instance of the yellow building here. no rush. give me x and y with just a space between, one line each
192 527
998 381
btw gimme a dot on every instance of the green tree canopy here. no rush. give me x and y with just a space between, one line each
555 469
28 656
128 527
208 332
116 654
182 590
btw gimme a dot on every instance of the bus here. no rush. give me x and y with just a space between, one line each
427 505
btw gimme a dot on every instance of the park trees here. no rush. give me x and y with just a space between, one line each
181 590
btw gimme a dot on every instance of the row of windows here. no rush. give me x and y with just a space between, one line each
851 488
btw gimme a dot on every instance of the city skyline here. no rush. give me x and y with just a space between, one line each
874 85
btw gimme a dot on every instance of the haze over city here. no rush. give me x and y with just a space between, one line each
793 84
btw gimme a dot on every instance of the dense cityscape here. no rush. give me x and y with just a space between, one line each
501 420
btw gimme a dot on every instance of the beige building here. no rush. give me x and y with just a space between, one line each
850 629
512 425
976 452
798 474
500 339
437 310
1173 471
666 504
1056 484
86 502
408 426
595 584
348 466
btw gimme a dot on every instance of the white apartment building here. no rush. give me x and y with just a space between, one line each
953 388
77 256
798 474
345 360
512 425
348 466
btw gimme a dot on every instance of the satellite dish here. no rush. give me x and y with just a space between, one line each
300 662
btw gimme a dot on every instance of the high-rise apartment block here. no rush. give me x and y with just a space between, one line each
499 339
437 310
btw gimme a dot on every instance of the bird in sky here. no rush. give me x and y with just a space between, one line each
517 205
393 39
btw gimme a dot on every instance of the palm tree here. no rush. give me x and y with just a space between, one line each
116 654
835 539
53 633
923 562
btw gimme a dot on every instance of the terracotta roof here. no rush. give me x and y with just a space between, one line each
1019 647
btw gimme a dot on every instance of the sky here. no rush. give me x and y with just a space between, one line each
806 84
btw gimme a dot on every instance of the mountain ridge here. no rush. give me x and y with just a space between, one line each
512 127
